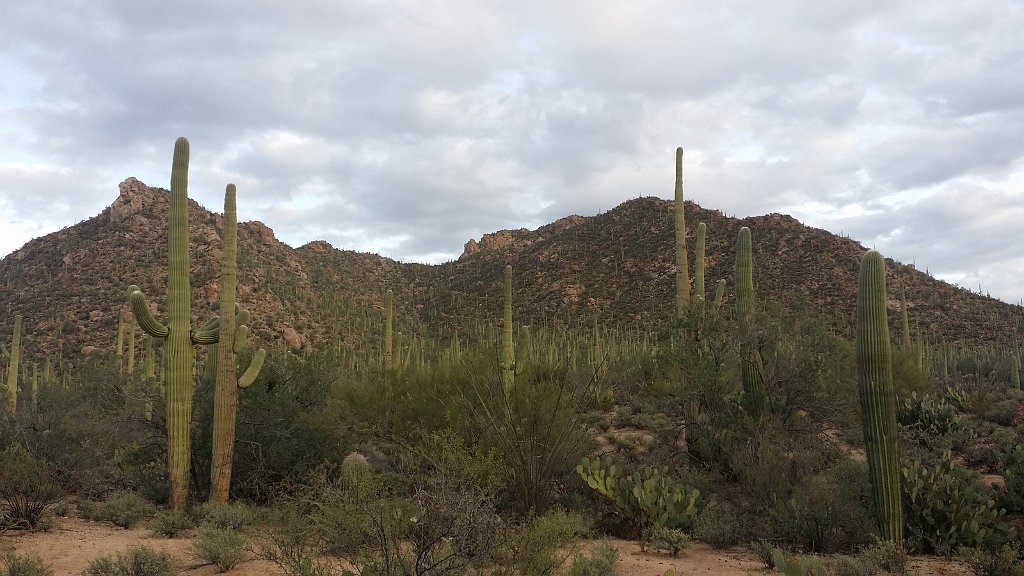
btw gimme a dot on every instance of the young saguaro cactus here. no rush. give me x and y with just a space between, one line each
878 403
179 352
754 393
389 330
682 266
508 355
12 367
225 400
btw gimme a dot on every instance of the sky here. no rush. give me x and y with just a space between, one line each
407 127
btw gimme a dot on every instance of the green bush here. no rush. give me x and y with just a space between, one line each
231 516
541 545
1011 496
1005 560
124 509
170 523
946 508
221 547
829 512
599 562
885 555
720 525
15 564
669 540
27 488
137 561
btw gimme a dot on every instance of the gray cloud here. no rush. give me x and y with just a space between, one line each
410 127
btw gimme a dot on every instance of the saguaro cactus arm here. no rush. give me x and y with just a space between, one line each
255 365
140 308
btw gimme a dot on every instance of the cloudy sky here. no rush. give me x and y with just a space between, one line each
406 127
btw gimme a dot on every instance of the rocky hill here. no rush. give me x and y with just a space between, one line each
70 285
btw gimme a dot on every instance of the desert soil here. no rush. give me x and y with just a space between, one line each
70 546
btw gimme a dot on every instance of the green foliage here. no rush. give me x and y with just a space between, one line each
828 512
221 547
541 545
647 498
27 488
946 508
669 540
137 561
232 516
934 423
170 523
1005 560
124 509
598 562
1011 496
720 525
15 564
886 555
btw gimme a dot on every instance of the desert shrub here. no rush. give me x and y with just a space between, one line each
137 561
765 551
598 562
1005 560
221 547
539 546
885 555
125 509
945 508
829 512
1008 412
231 516
720 525
934 423
27 488
669 540
292 542
1011 496
170 523
15 564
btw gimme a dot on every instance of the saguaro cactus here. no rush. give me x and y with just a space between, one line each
682 266
225 400
389 330
698 268
878 403
508 356
905 317
12 367
754 393
179 352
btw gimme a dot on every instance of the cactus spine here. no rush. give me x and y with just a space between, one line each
755 395
878 403
682 266
225 400
12 367
508 358
179 352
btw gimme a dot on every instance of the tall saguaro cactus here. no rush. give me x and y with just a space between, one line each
754 394
877 400
904 317
12 367
682 266
508 355
179 352
225 400
389 330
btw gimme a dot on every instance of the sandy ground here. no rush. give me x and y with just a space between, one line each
70 546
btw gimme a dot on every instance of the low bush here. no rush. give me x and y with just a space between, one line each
221 547
27 488
1005 560
231 516
137 561
170 523
15 564
125 509
599 562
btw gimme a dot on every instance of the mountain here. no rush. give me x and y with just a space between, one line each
618 266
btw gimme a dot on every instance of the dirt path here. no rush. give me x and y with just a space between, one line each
74 542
